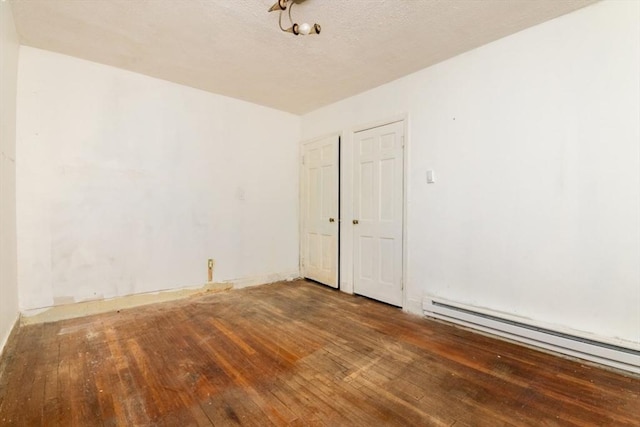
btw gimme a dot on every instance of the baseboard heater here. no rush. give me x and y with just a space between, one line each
606 352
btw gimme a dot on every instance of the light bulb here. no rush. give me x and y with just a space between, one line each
304 29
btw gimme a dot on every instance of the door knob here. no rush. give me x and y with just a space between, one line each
332 220
355 221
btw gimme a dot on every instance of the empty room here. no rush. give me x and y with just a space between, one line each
320 213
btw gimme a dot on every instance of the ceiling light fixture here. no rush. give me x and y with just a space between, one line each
297 29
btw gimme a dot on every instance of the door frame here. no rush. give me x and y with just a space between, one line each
404 118
346 170
302 200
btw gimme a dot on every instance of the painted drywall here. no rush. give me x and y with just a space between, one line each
9 49
535 142
128 184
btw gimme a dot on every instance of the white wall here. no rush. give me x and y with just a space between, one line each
535 141
128 184
9 49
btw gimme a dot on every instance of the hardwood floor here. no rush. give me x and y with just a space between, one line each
293 354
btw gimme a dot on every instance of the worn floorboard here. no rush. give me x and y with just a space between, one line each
293 354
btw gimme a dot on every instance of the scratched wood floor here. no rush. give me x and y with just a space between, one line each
293 354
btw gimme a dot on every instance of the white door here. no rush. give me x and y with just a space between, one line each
320 211
378 212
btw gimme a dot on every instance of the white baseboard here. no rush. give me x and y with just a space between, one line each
87 308
246 282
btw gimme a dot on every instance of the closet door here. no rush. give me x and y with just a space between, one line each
320 224
378 212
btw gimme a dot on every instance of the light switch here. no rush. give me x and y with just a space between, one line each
431 177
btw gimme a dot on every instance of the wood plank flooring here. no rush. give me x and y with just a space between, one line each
293 354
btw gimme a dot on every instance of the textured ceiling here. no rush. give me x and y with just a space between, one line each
234 47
